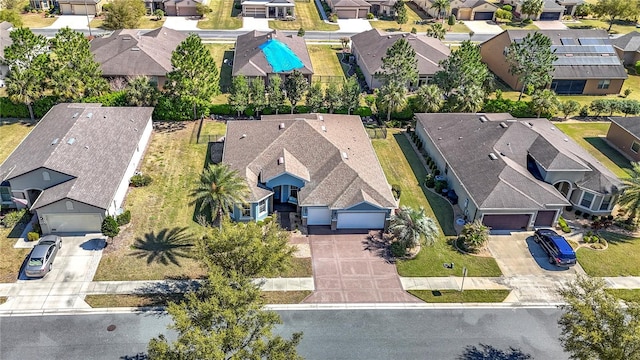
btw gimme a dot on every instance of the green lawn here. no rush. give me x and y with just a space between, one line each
220 52
590 136
307 18
33 21
146 22
620 259
402 166
625 294
12 134
415 14
455 296
134 300
619 26
212 127
518 26
223 16
325 61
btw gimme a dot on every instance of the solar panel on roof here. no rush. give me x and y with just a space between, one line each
568 41
587 60
591 41
583 49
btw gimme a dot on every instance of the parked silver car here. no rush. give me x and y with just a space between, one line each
41 259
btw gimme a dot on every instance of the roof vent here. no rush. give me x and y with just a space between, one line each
135 48
388 36
300 119
89 115
483 118
281 126
344 155
566 140
320 117
131 119
324 128
55 141
71 141
126 38
280 160
530 123
75 115
504 125
459 137
86 147
135 129
493 156
243 136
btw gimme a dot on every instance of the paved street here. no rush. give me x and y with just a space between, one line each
440 334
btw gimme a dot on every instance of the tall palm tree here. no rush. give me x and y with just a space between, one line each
393 97
442 6
630 198
468 98
220 188
544 100
413 227
430 98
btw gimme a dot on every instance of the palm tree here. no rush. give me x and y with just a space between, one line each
468 98
430 98
545 100
442 6
412 227
437 31
630 198
393 97
475 235
220 188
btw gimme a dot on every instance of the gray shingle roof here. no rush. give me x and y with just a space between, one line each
631 124
253 148
628 42
350 3
5 39
96 161
468 4
127 53
249 60
373 44
505 183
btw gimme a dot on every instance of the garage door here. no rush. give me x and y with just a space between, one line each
550 16
507 222
361 220
483 15
82 9
77 223
318 216
65 9
347 14
545 218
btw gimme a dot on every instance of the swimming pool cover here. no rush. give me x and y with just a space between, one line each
279 56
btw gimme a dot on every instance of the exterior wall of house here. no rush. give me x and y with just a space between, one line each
483 8
60 207
622 140
285 181
591 87
627 57
492 53
120 193
39 179
579 194
371 81
256 214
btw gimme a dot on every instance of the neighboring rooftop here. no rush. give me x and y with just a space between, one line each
5 39
628 42
631 124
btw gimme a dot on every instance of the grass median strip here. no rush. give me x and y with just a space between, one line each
455 296
151 300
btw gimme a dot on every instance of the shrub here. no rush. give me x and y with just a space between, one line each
627 92
429 181
637 66
436 172
37 228
562 223
584 111
32 236
527 21
124 218
301 32
414 30
333 18
594 217
568 208
221 109
140 180
398 249
370 16
578 212
440 184
507 8
110 227
396 190
114 98
14 218
585 215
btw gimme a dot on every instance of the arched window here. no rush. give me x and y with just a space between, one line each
69 205
46 176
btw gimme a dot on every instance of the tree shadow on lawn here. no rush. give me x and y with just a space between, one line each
488 352
165 247
618 239
608 151
225 71
441 208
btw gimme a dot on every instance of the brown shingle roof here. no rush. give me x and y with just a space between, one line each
318 143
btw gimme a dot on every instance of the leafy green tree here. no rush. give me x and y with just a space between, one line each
159 14
219 190
351 93
141 92
202 10
194 78
393 97
442 8
569 107
224 319
630 197
544 100
429 98
596 325
345 43
10 4
239 94
27 60
315 98
629 107
463 68
532 8
124 14
110 227
437 31
400 64
451 21
247 249
332 97
276 95
401 12
503 15
301 32
467 99
474 235
531 60
11 16
295 86
584 9
258 95
615 9
413 227
600 106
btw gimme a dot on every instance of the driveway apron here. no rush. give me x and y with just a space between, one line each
348 268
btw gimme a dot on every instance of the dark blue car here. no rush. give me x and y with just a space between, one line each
559 251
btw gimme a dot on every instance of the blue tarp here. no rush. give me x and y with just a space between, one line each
280 57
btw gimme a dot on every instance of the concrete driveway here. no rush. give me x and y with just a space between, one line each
550 25
76 22
349 268
483 27
354 25
181 23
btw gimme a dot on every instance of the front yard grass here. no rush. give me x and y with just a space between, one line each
619 26
518 26
146 22
414 13
402 166
34 21
325 61
12 258
455 296
620 259
625 294
223 15
13 131
3 299
590 135
134 300
307 18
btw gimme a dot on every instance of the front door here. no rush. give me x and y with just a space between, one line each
277 190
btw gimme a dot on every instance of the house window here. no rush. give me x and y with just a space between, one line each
46 176
604 84
293 192
587 199
635 147
446 168
262 206
606 202
69 205
246 210
5 194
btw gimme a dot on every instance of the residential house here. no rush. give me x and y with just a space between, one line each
515 174
587 62
382 7
261 54
73 168
182 7
80 7
462 9
628 47
5 40
129 53
268 8
350 9
551 10
624 135
42 4
324 166
371 46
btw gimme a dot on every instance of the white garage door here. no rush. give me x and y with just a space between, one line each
65 9
83 10
80 223
361 220
318 216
